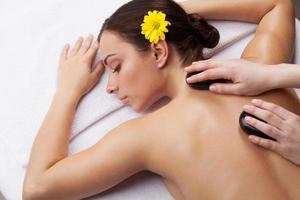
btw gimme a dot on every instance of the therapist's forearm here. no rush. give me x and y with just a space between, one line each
241 10
285 76
51 142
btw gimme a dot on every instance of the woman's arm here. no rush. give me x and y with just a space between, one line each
274 39
51 174
114 158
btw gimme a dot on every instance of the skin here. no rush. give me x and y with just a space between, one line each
282 125
195 160
263 77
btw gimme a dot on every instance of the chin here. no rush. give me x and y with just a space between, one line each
137 108
140 106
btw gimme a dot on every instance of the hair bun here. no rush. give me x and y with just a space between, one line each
207 35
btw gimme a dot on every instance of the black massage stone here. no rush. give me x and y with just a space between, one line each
203 85
250 130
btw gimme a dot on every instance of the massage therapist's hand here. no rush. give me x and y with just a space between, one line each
75 74
246 78
283 125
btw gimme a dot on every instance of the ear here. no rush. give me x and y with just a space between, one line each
160 52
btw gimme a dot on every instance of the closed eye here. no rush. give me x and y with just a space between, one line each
116 69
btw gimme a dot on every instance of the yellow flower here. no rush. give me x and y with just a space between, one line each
154 26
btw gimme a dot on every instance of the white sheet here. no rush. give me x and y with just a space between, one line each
31 40
41 63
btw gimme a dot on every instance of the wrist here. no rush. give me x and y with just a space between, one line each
273 77
67 96
282 76
289 77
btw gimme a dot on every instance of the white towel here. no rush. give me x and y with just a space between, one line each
32 35
45 28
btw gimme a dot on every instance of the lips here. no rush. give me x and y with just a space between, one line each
124 100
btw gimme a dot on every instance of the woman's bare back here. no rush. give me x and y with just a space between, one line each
200 151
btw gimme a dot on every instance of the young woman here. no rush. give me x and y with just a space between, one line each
194 142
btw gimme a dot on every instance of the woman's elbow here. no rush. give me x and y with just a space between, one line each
34 191
288 4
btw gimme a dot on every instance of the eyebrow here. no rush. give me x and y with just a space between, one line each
106 58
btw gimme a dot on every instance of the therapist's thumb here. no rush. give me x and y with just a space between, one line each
225 88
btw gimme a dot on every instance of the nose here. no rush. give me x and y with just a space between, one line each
111 85
110 90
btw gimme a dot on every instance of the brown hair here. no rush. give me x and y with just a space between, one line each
189 34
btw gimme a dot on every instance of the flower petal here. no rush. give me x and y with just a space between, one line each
154 26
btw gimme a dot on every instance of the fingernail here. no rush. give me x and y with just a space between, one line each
90 36
78 39
189 79
213 88
248 119
253 138
255 101
194 63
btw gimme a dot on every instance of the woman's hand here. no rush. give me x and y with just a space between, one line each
246 78
75 74
283 125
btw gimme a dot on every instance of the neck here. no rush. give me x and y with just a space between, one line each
175 85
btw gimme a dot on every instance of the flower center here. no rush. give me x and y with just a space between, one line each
156 25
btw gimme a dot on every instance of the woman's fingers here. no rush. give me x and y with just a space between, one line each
91 52
76 47
86 47
86 44
64 52
268 144
98 70
82 46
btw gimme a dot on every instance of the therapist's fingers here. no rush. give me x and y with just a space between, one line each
64 53
206 64
268 129
276 109
210 74
226 88
76 47
266 143
210 63
198 66
86 44
265 115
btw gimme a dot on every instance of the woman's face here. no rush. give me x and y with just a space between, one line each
133 75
